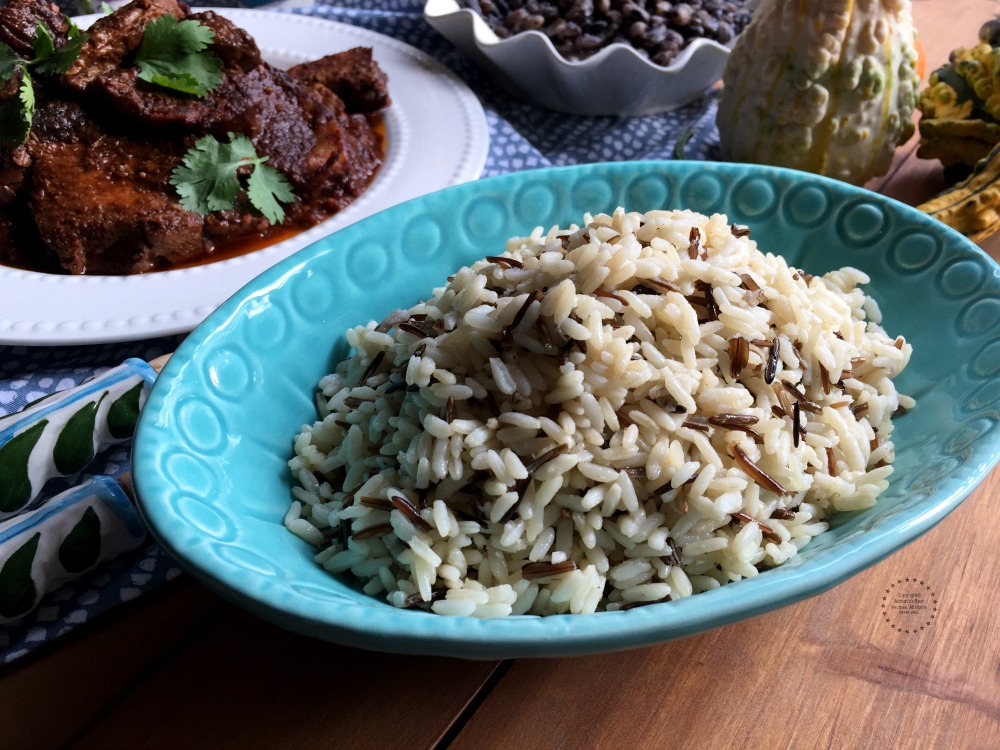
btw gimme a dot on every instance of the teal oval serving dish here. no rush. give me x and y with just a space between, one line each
216 432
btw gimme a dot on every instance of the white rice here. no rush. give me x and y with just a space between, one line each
561 431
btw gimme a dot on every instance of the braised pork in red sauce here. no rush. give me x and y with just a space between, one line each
90 190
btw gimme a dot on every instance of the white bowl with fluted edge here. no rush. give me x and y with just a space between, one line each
616 81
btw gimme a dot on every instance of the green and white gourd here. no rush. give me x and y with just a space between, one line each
70 535
824 86
59 435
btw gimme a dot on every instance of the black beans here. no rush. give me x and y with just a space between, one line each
657 29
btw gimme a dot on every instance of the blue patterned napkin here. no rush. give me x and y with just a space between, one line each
522 136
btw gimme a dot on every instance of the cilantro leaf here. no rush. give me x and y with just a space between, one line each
13 125
266 186
42 44
174 54
10 63
185 83
208 178
17 111
241 149
60 60
27 95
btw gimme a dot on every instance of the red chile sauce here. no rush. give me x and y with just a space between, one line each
230 248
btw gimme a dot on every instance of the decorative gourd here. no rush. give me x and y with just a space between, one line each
826 86
973 206
960 107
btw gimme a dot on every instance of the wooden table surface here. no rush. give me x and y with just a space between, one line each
179 668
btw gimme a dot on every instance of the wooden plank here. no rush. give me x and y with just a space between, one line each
245 683
827 672
49 696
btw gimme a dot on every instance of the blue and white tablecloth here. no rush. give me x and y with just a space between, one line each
522 136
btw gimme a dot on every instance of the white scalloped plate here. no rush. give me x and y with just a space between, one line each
616 81
436 135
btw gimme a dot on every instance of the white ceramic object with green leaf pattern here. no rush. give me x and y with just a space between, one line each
70 535
60 434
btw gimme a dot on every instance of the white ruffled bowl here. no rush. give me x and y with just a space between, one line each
615 81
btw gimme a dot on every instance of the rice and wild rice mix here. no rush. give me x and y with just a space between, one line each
631 411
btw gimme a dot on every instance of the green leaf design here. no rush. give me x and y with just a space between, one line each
81 547
124 412
15 484
74 447
17 588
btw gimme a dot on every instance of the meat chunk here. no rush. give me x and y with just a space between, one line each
233 105
19 24
328 155
113 37
94 177
98 198
352 75
18 28
14 164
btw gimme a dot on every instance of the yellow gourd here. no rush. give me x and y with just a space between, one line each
973 206
825 86
960 106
